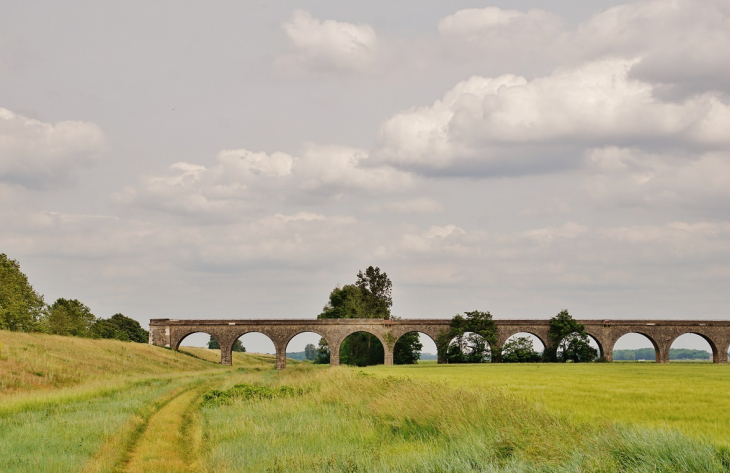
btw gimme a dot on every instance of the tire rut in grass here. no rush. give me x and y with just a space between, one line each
164 444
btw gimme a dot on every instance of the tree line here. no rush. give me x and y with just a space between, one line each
23 309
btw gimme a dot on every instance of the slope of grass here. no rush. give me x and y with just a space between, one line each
31 361
347 420
689 397
63 436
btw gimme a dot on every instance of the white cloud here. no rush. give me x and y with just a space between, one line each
490 122
633 177
38 154
423 205
680 45
243 179
507 36
328 45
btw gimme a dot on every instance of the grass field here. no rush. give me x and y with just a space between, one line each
691 397
69 404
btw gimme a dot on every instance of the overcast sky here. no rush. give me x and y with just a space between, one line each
241 159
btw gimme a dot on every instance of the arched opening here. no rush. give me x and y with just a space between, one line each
362 349
469 348
635 347
522 347
414 347
573 348
691 347
308 347
253 347
199 344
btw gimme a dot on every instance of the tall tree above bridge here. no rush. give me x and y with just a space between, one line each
370 298
570 340
376 289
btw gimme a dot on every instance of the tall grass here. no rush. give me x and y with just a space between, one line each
689 397
350 421
31 361
61 437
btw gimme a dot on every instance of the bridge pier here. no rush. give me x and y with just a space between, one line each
280 355
335 353
227 355
388 355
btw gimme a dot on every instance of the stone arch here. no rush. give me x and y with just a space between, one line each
293 334
281 363
601 352
418 331
227 356
532 337
601 343
387 348
713 345
657 348
512 333
493 348
179 337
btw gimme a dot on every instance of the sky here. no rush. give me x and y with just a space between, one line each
242 159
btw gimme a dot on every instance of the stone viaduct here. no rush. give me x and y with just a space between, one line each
661 333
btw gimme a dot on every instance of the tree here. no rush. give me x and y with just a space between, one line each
344 303
369 297
407 350
323 353
520 350
21 307
120 327
310 352
237 345
570 341
376 290
469 338
104 328
70 317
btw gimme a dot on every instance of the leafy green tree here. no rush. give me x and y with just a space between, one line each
376 289
120 327
310 352
369 297
407 350
520 350
570 341
362 349
469 338
237 345
105 328
70 317
21 307
323 353
344 303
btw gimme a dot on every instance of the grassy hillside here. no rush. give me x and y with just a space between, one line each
31 361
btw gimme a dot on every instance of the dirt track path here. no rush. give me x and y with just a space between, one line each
170 441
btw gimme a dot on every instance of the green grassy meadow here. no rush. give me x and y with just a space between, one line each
70 404
690 397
